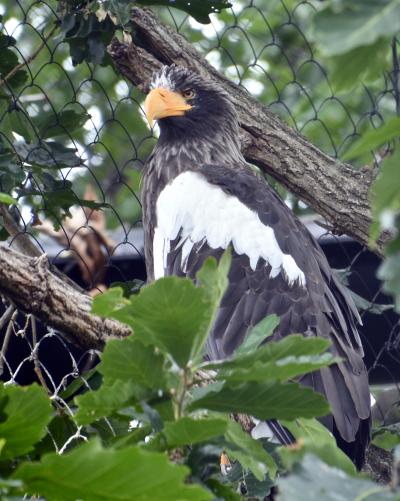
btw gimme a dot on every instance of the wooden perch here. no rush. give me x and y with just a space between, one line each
32 287
336 191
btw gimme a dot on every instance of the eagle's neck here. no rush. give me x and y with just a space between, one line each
172 157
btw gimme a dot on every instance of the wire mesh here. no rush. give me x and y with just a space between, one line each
263 47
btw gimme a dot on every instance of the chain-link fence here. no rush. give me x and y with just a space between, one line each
73 139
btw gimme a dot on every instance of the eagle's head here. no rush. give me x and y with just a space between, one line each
188 106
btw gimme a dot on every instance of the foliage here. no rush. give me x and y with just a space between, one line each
165 433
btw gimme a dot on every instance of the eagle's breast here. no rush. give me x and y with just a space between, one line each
199 212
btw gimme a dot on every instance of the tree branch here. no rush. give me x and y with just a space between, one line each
32 287
335 190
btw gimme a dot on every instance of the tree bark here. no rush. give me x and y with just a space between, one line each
32 287
338 192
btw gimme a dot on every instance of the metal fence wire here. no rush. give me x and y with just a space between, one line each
80 133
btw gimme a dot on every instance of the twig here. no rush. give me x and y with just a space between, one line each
11 73
7 337
185 383
6 316
35 356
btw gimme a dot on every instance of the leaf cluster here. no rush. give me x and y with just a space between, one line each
161 418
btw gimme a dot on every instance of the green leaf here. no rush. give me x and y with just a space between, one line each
294 345
88 37
170 313
313 437
222 491
188 431
64 123
282 369
107 474
385 191
48 154
265 400
349 69
130 361
20 123
213 278
25 413
314 480
388 437
11 173
8 61
94 405
7 199
249 452
112 299
355 23
200 10
258 334
374 138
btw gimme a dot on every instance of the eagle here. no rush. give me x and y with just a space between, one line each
199 197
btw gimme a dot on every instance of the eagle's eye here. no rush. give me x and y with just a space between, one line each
188 93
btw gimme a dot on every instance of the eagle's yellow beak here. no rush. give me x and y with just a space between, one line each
161 103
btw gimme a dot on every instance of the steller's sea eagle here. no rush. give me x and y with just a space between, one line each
199 197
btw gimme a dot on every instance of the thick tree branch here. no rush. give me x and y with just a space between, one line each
333 189
32 287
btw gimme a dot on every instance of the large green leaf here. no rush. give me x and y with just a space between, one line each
374 138
315 438
112 299
294 345
93 405
199 9
314 480
25 412
264 400
258 334
355 23
282 369
249 452
171 313
93 473
188 431
130 361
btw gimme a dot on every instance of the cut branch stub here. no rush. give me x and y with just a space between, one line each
32 287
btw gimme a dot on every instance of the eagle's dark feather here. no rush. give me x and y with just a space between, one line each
322 308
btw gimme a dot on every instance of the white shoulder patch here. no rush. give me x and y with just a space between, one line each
201 211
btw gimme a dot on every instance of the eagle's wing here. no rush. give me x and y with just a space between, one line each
277 267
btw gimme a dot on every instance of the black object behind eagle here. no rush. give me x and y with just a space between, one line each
199 197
